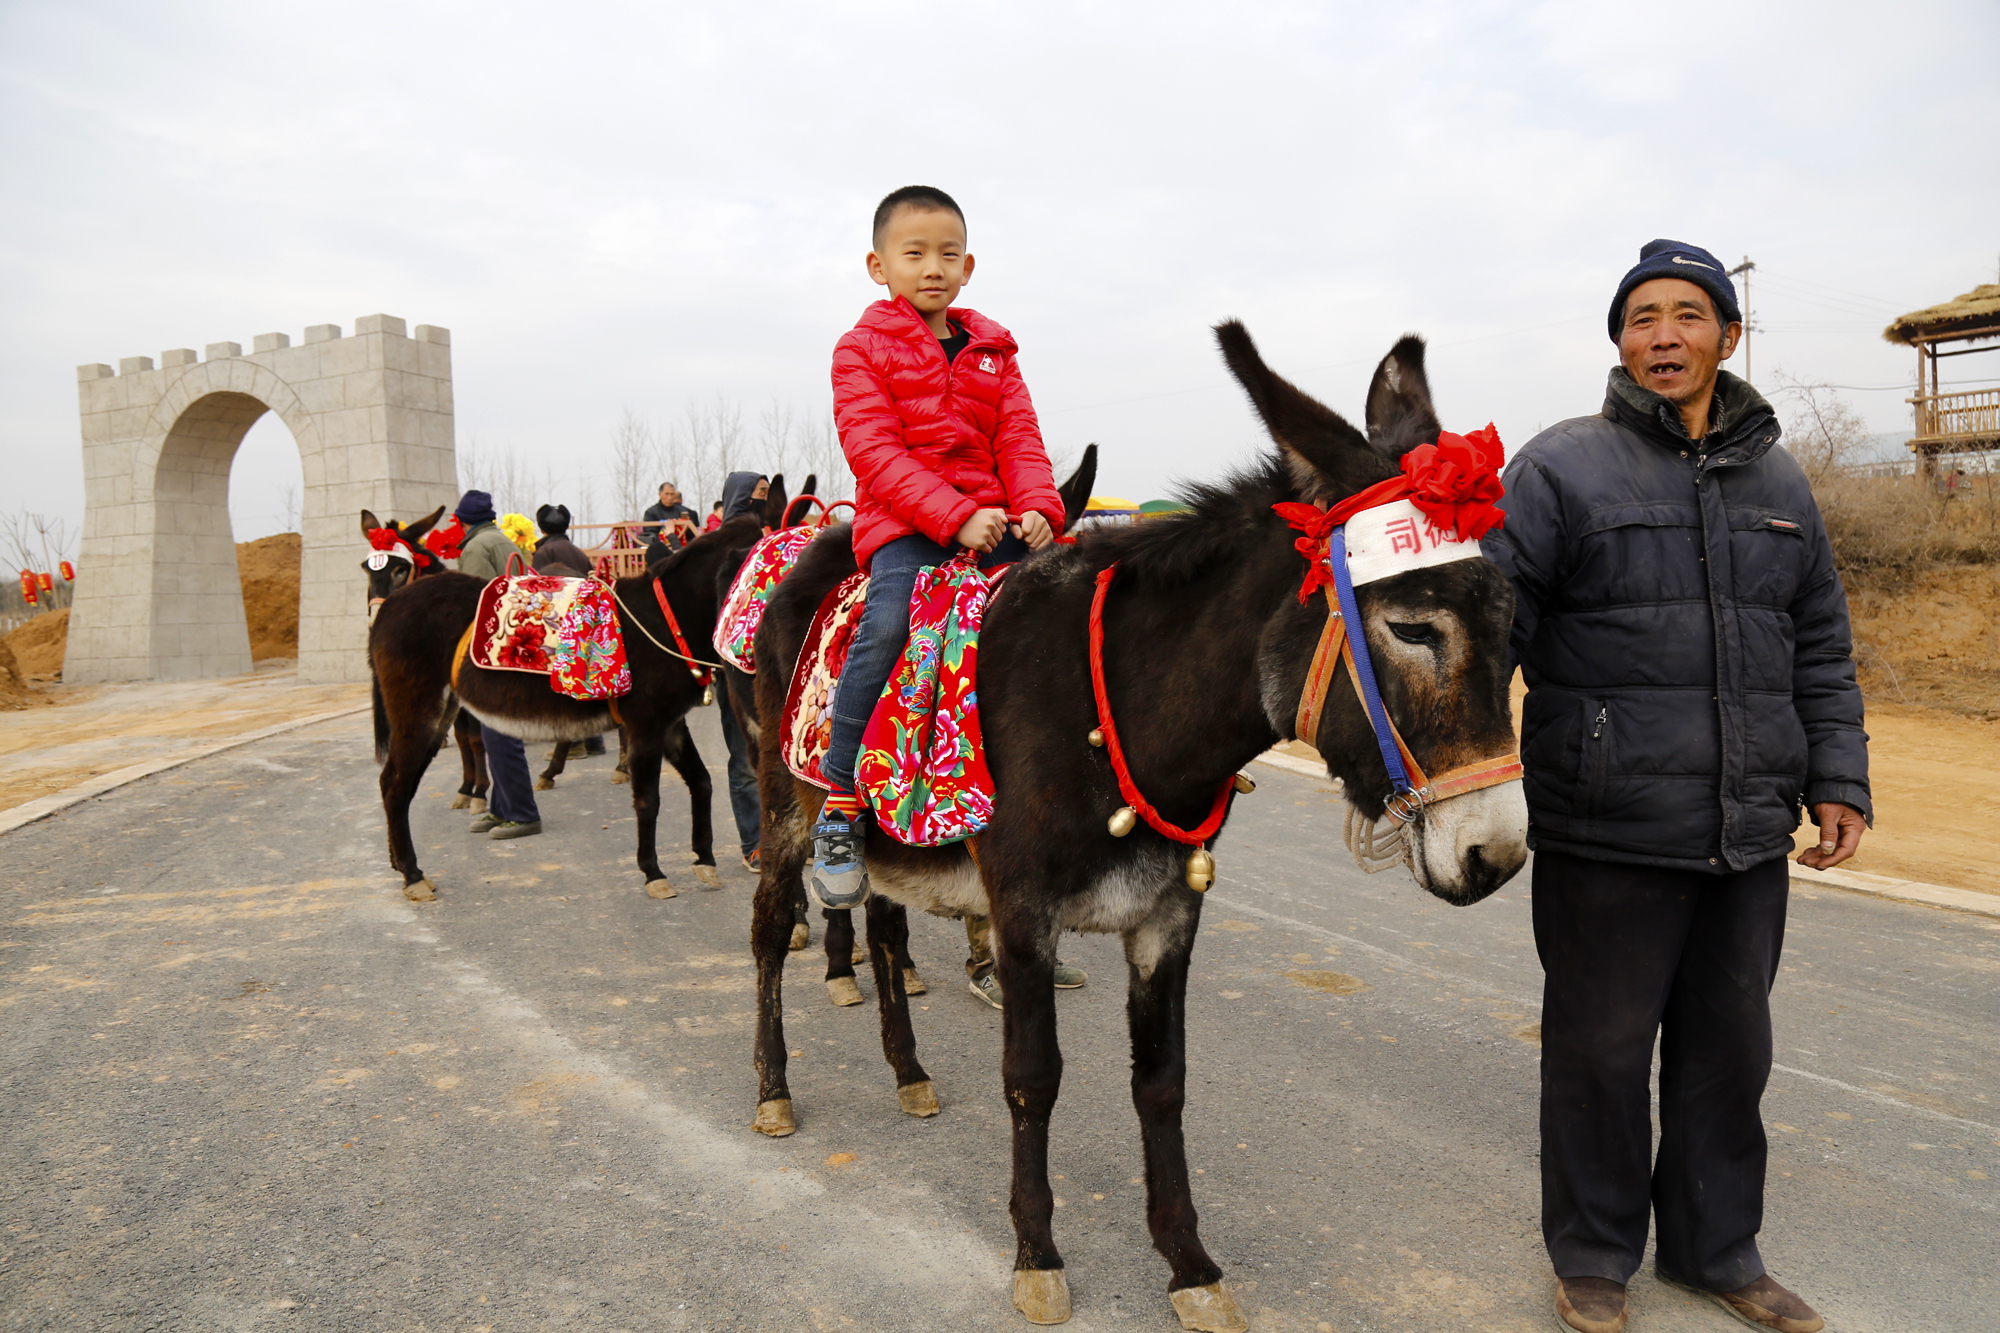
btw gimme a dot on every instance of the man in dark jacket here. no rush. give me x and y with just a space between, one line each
670 521
556 553
1685 643
488 553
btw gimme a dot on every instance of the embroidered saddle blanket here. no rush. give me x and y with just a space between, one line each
743 609
565 629
922 767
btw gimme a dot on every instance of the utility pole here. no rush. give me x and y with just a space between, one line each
1744 268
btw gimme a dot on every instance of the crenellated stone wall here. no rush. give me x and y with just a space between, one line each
157 595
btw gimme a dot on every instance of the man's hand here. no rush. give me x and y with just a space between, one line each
1034 530
1840 830
983 531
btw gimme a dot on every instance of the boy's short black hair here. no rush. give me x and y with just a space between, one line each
927 197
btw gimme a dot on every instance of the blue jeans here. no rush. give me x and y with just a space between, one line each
880 640
513 792
744 803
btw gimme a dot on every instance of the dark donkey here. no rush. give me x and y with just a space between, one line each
388 570
1207 649
413 643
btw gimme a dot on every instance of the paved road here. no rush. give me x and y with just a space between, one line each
244 1085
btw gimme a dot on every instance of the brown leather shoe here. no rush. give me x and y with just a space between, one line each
1590 1304
1765 1304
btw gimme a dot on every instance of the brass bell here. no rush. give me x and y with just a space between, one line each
1123 820
1200 870
1096 736
1244 784
708 696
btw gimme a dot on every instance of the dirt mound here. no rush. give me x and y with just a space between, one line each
269 568
1930 638
37 646
15 692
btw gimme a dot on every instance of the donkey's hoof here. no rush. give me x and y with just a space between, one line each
1209 1309
1042 1295
801 936
709 876
843 991
621 779
423 891
918 1099
775 1118
478 806
545 784
914 984
860 954
659 888
460 801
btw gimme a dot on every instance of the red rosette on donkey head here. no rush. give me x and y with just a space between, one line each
1456 482
446 541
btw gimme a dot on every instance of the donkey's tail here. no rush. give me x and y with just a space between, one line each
381 720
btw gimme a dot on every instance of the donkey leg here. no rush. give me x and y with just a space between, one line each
801 930
622 774
646 806
1031 1074
780 881
558 761
482 778
686 759
1156 1011
912 983
463 729
889 937
841 986
409 755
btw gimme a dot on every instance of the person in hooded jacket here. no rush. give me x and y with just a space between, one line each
743 493
1684 639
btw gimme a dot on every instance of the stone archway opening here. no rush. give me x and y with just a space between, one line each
158 592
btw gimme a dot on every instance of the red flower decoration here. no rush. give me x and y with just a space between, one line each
1457 480
447 539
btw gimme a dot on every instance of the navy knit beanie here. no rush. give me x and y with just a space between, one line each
1677 259
474 508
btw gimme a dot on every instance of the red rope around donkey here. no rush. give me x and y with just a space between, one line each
1126 786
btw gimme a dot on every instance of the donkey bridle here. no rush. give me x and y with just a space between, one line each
1412 789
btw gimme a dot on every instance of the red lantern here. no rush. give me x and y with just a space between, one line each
68 571
48 583
28 587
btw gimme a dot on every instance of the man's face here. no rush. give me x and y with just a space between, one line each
1672 342
669 496
761 490
921 257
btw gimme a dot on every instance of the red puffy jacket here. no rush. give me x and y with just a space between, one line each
931 441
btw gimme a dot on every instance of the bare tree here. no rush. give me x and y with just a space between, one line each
1825 433
635 447
38 542
288 504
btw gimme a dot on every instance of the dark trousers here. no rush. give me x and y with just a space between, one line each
1629 952
744 802
513 792
880 639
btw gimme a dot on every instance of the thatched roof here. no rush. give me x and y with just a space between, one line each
1975 314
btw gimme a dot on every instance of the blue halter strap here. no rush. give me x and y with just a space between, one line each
1364 669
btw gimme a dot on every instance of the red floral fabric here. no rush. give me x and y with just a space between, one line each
587 652
743 609
807 725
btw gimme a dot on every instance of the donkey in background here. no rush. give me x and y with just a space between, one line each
1207 651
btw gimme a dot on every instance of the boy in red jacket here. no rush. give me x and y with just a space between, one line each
936 424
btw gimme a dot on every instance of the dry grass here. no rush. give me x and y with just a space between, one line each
1888 530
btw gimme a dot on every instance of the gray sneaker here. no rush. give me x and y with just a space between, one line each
507 828
484 823
987 988
1069 978
839 876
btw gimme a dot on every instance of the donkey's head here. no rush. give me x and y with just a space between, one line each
1437 635
397 553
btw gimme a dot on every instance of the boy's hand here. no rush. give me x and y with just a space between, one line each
1034 530
983 531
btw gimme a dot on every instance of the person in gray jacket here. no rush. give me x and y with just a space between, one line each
1684 639
486 553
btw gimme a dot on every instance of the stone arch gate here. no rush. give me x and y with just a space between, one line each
157 592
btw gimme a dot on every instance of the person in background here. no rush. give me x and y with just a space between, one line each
511 812
742 493
556 553
714 517
669 520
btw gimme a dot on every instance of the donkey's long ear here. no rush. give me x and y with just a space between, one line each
1328 458
1076 491
798 511
1400 415
774 502
416 530
369 522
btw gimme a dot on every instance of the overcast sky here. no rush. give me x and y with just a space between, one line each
643 205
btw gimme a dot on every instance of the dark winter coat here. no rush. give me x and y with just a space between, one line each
562 557
1683 635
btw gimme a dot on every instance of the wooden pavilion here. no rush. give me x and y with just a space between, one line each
1952 423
